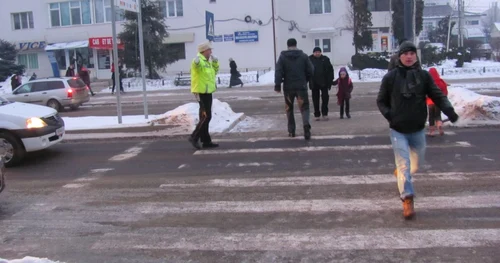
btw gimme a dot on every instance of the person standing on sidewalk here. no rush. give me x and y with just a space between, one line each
204 69
402 101
294 70
321 82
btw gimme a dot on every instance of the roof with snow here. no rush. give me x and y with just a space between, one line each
497 26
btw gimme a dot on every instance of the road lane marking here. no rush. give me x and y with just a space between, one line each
129 153
85 180
330 180
320 148
190 239
491 200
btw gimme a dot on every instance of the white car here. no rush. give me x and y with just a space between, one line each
27 128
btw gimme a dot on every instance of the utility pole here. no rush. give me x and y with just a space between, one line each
414 22
408 20
274 30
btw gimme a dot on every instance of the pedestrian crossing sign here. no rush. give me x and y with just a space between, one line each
209 24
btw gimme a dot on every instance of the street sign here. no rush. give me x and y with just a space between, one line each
129 5
228 38
217 38
209 25
246 36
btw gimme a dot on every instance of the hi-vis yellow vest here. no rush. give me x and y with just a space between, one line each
203 75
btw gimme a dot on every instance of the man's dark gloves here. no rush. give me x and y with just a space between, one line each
453 117
277 88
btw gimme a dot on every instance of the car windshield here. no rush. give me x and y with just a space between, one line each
76 83
4 101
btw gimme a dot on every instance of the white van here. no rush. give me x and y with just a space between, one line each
27 128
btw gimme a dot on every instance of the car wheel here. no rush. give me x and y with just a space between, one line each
14 149
74 107
54 104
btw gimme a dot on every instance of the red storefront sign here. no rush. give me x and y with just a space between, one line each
104 43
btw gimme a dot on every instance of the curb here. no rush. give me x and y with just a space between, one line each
128 134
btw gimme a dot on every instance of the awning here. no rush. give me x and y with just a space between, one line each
67 45
321 30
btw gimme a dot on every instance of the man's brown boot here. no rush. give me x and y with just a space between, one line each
408 209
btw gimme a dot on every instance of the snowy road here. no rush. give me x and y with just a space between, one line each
253 200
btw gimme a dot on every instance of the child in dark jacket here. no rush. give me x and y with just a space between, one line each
344 92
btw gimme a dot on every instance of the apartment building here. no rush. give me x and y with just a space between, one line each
61 30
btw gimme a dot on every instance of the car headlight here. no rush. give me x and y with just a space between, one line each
35 123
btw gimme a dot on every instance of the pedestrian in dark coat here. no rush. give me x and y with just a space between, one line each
402 101
344 92
321 82
294 70
121 74
235 74
70 72
15 82
85 76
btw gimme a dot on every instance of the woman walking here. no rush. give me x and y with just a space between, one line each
435 122
235 74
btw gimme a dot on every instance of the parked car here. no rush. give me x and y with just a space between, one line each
56 93
27 128
485 50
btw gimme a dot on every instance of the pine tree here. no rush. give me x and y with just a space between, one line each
440 33
8 54
398 18
361 20
157 55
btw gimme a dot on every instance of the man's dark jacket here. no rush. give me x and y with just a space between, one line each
402 98
323 72
293 69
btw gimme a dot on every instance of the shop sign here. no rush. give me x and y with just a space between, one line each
36 45
104 43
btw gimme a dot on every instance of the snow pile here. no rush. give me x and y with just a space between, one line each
6 88
187 116
474 109
28 260
267 78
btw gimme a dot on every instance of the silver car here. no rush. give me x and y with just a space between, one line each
56 93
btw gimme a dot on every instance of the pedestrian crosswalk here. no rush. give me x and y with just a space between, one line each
325 204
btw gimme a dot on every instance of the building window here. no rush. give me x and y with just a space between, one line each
60 56
212 1
29 61
70 13
472 22
103 59
324 44
320 6
177 51
378 5
23 20
102 10
171 8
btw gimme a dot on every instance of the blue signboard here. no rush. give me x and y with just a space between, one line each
228 38
246 36
209 25
53 63
217 38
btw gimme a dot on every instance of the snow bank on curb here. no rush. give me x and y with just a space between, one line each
28 260
187 116
474 109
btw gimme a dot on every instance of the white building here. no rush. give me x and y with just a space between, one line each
473 28
62 29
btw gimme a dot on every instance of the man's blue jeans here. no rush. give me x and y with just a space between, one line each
409 154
